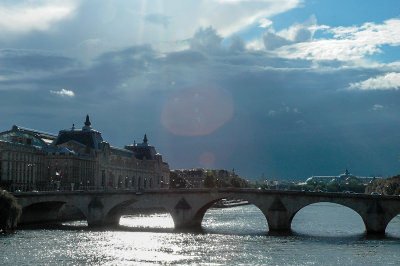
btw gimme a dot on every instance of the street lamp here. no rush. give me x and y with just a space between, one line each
31 171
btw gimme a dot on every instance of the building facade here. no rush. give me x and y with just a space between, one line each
77 159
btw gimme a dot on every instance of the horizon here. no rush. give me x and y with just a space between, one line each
285 89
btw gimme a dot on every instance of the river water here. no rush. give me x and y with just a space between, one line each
323 234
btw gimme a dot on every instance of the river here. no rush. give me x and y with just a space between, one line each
323 234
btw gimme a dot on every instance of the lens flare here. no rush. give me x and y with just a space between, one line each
198 111
207 159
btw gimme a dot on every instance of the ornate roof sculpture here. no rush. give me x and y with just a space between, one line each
86 136
143 150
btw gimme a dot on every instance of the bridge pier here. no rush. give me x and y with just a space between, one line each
98 217
278 216
375 224
102 222
184 219
278 221
186 223
376 219
185 216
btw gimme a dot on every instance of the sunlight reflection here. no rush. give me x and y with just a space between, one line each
159 220
235 220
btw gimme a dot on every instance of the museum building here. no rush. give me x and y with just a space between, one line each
77 159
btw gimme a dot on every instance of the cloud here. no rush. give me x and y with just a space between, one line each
300 32
28 16
63 92
283 109
237 44
160 19
53 24
348 43
389 81
28 60
229 17
206 40
377 107
273 40
91 43
280 111
296 33
265 23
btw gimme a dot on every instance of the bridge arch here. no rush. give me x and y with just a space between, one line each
198 217
392 221
353 224
249 219
200 213
49 211
113 215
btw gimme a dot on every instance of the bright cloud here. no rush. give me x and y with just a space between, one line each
229 17
390 81
297 33
377 107
348 43
264 23
63 92
25 17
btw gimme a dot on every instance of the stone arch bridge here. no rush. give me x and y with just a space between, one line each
187 207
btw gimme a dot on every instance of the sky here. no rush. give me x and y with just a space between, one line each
280 89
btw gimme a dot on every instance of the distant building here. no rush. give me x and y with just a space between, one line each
343 178
77 159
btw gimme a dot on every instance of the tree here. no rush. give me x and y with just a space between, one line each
209 180
10 211
176 181
239 182
385 186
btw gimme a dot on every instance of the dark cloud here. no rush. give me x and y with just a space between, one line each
33 61
206 40
273 41
185 57
237 44
317 126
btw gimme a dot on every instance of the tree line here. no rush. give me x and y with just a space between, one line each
385 186
210 179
